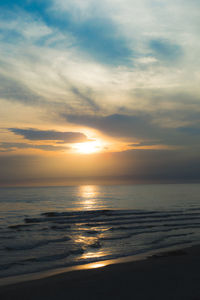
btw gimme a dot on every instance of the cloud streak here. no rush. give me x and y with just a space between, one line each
7 147
50 135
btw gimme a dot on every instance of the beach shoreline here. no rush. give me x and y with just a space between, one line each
20 278
170 274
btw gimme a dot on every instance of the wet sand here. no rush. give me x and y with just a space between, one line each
169 275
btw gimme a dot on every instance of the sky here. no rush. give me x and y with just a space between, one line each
104 91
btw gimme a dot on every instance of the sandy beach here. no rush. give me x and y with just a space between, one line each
168 275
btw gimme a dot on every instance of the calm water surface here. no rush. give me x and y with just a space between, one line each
51 227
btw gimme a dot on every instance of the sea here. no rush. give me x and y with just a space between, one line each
47 228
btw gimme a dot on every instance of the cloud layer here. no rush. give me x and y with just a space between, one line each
121 70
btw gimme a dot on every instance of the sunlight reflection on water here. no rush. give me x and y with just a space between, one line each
93 254
88 195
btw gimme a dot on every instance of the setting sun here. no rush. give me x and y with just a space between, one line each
89 147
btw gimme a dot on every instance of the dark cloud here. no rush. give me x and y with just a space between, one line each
145 127
50 135
116 125
7 147
190 130
139 126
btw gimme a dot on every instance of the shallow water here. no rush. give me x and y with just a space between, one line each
52 227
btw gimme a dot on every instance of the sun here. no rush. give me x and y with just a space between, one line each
88 147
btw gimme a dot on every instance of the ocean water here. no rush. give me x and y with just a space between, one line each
52 227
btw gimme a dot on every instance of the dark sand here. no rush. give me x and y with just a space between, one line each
172 275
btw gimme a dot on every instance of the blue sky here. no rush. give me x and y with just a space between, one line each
97 35
125 73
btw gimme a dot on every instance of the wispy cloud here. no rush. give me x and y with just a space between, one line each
13 90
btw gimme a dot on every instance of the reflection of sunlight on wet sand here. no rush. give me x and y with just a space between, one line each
94 265
88 194
97 265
